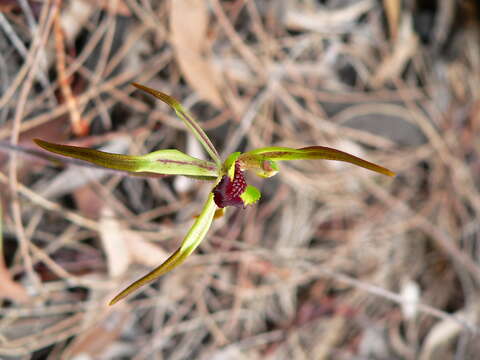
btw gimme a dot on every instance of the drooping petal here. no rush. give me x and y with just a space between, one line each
193 238
166 162
256 158
187 118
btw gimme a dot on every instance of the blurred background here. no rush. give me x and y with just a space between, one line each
334 262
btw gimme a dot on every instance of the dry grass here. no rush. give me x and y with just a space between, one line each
334 262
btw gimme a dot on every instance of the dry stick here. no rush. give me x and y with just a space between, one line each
70 279
32 24
76 64
73 216
236 256
56 333
246 121
442 147
449 160
146 16
184 326
99 72
51 206
373 289
53 266
107 42
242 274
19 46
236 40
27 10
75 118
439 236
125 50
328 127
13 181
32 57
54 309
398 299
220 338
4 80
269 42
91 93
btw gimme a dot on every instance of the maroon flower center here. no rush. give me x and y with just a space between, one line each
227 192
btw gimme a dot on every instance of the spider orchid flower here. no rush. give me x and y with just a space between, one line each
230 187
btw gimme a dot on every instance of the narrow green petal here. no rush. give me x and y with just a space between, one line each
193 238
187 118
309 153
165 162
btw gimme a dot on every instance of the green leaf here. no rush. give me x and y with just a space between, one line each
251 195
193 238
187 118
166 162
312 152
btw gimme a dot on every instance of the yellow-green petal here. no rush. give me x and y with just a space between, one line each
274 153
193 238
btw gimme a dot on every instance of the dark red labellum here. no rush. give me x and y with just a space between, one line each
227 192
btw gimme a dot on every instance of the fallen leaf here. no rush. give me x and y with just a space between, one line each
188 26
87 201
144 252
99 338
392 11
114 242
443 333
9 289
323 20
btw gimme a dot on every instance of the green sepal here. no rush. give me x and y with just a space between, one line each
309 153
193 238
187 119
164 162
251 195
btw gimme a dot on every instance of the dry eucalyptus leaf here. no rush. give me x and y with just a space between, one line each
188 26
443 333
322 20
98 338
392 11
144 252
114 242
10 289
